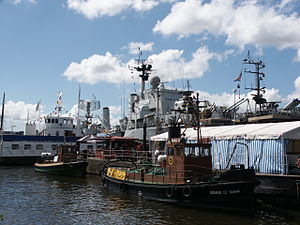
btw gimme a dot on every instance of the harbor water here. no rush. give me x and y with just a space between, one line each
30 198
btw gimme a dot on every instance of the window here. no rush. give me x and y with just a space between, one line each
192 151
15 147
197 151
90 147
39 147
27 147
170 151
100 146
206 151
293 147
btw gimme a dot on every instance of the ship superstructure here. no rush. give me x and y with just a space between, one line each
150 110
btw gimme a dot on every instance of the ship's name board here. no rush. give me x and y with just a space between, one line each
225 192
119 174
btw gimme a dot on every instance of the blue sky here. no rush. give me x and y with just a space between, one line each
48 46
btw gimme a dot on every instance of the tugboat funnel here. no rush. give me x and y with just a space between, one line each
174 132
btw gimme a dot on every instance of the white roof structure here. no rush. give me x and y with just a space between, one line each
285 130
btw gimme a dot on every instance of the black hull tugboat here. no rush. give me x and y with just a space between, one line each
184 176
66 163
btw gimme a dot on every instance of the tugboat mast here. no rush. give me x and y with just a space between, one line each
259 100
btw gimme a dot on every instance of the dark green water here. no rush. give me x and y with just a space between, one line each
28 197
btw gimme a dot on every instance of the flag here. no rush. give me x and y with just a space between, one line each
239 77
59 98
38 105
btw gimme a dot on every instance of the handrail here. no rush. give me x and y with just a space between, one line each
234 148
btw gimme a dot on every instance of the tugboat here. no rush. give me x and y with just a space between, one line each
66 163
184 176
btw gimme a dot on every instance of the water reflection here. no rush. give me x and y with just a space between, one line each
28 197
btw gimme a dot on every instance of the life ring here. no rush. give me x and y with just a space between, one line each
187 191
122 187
170 191
171 160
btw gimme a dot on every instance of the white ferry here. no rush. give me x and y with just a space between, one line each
27 149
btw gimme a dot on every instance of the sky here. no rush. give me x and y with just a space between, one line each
49 47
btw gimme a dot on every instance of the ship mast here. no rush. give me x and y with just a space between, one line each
78 111
258 98
2 115
145 68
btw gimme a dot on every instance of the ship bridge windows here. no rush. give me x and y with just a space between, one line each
52 121
27 147
39 147
196 151
15 147
90 147
170 151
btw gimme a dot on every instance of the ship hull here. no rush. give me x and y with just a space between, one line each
27 149
228 196
279 190
62 169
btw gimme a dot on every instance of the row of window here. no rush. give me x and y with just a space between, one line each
30 147
65 121
191 151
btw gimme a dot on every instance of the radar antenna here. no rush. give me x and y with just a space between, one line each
145 67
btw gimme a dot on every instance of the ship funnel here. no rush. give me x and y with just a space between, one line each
106 118
174 132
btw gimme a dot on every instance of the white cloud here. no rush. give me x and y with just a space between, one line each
98 68
297 57
16 113
19 111
296 92
170 64
134 47
115 115
242 22
222 99
93 9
